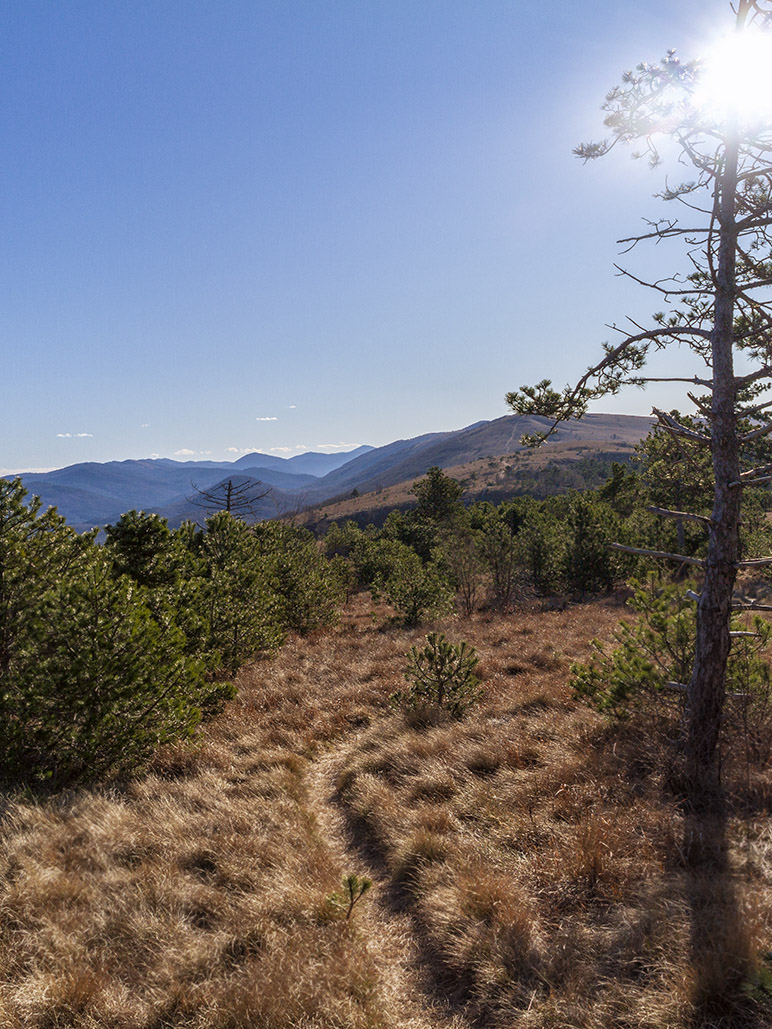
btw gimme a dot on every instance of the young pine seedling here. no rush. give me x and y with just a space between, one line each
353 888
442 674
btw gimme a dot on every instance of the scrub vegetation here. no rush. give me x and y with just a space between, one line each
530 861
106 652
449 813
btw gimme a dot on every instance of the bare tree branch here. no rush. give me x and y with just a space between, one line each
687 515
665 555
763 430
676 429
697 382
239 498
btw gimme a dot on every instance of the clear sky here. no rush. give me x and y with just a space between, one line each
231 225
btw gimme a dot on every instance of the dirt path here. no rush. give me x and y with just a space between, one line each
389 935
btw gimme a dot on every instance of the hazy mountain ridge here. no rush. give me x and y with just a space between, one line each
406 459
309 463
90 494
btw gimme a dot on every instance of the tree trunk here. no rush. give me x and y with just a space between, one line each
708 682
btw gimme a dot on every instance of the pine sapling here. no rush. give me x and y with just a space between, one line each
441 674
353 888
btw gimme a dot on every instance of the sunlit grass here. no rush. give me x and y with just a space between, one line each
530 855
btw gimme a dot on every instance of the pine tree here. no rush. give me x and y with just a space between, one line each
718 309
91 680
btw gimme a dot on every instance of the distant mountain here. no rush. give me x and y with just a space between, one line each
271 477
323 464
96 494
310 463
405 459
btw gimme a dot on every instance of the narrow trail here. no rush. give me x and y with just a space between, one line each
389 935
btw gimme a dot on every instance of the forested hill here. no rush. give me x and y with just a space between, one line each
96 494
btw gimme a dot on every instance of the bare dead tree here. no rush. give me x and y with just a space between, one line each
238 497
719 307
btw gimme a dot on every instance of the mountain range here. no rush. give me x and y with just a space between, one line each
93 494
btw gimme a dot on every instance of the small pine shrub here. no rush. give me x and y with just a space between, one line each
656 649
353 888
441 674
651 660
416 591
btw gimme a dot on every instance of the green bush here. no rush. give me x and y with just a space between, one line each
499 549
375 558
650 663
646 654
91 680
108 651
419 533
309 589
541 543
340 540
238 595
415 591
141 545
441 674
459 555
589 565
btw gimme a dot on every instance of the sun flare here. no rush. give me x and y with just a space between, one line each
736 78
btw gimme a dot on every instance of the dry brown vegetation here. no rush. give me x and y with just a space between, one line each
493 478
532 865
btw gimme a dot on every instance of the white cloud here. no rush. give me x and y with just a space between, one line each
337 446
301 446
269 418
232 450
145 425
75 435
243 450
292 407
185 452
280 450
25 471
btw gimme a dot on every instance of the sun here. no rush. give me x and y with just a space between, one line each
736 78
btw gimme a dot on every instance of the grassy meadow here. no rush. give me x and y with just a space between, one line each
532 864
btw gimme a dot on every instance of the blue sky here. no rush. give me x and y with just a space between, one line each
304 224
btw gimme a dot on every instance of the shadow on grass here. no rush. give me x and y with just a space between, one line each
727 990
444 986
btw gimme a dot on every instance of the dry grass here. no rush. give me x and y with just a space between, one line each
478 478
536 857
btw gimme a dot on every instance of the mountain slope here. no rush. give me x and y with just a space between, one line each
310 463
93 494
406 459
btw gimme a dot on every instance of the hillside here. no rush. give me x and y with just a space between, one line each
408 459
539 473
530 863
95 494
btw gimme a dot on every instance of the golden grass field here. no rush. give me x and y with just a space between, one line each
531 863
